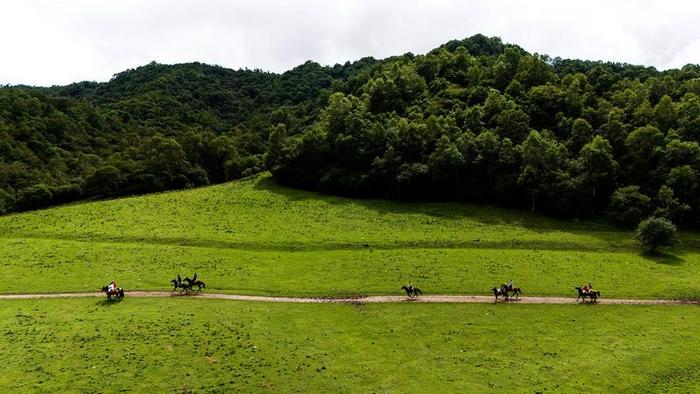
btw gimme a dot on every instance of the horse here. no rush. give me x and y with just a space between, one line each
114 295
516 292
200 285
412 292
592 294
179 285
498 291
195 282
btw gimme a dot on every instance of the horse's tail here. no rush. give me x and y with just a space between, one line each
417 290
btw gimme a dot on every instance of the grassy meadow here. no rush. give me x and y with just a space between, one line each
256 237
182 345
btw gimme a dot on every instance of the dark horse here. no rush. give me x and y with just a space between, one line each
516 292
178 284
412 292
195 282
500 291
200 285
114 295
593 295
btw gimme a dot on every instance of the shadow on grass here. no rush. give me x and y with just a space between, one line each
483 213
107 303
662 258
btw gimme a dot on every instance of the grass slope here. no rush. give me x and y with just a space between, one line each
85 345
256 237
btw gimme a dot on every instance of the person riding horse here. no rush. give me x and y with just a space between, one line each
509 286
113 292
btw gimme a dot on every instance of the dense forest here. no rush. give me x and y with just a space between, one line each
474 120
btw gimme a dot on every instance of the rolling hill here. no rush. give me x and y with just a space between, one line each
257 237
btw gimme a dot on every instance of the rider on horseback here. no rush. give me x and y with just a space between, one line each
509 286
112 287
587 288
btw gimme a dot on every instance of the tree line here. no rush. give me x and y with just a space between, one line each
154 128
474 120
481 121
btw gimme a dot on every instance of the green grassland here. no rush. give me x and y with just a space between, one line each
86 345
256 237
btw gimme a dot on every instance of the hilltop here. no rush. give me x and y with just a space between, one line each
474 120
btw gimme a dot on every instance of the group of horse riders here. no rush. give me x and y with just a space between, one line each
588 288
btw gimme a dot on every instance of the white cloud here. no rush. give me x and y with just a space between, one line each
47 42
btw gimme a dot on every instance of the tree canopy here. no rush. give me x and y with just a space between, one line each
474 120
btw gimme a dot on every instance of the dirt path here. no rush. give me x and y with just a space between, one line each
471 299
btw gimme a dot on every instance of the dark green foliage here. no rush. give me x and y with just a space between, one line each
628 205
154 128
496 124
655 232
474 120
38 195
668 206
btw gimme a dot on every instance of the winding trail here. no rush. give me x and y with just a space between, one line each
467 299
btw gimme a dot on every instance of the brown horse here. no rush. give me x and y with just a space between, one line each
516 292
114 295
592 294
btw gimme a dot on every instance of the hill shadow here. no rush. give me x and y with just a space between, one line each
662 258
485 214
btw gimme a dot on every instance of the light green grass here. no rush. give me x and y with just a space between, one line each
158 345
49 266
256 237
258 214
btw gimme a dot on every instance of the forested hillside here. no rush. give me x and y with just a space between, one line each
473 120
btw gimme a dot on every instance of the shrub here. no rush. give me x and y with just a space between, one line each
654 232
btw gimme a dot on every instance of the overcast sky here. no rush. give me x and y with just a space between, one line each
58 42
